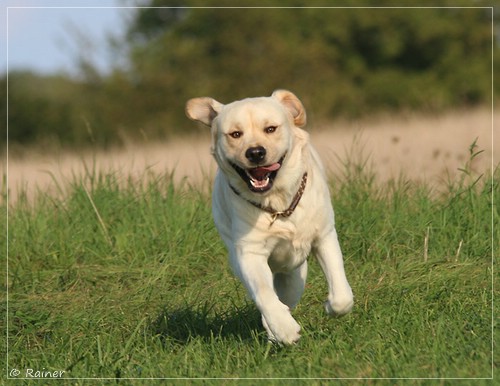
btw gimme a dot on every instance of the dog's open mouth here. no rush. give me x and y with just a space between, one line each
259 179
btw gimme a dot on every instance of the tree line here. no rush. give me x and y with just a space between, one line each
342 62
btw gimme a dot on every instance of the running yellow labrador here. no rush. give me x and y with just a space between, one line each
271 205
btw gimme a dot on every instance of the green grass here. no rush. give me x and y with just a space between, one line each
130 280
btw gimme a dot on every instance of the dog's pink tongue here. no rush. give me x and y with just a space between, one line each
261 172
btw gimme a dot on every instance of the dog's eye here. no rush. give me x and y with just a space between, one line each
236 134
270 129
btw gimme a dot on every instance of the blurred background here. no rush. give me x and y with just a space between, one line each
101 78
97 76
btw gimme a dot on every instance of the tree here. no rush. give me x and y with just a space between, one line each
345 61
341 62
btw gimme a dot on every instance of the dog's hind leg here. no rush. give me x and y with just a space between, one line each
290 286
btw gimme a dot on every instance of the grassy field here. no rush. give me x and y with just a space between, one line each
130 280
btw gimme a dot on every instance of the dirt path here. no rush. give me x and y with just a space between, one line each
422 148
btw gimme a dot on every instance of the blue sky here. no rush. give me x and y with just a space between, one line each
36 36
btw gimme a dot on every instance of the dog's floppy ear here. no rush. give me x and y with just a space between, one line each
293 105
203 109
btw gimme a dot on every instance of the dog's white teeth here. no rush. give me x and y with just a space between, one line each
259 183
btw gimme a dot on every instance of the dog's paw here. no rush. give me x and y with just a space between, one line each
340 304
282 328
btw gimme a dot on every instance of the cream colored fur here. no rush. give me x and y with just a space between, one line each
269 257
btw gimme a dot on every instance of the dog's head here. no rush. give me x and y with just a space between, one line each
251 138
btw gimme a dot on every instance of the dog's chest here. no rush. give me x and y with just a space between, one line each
290 251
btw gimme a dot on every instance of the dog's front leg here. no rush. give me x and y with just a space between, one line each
340 298
253 270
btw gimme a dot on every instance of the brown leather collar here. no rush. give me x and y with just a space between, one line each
275 213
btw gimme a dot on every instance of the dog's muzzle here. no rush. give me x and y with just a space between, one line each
259 179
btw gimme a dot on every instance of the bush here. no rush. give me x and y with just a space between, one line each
340 61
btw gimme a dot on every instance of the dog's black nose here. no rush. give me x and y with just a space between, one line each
255 154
